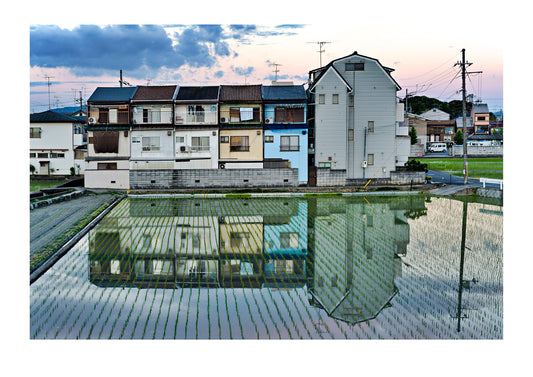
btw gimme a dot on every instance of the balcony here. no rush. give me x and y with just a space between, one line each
242 115
196 117
402 128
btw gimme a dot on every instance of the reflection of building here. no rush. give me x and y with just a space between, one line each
157 243
356 255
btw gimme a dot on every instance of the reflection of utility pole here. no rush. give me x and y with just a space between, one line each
461 266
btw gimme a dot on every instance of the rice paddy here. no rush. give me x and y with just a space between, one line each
279 268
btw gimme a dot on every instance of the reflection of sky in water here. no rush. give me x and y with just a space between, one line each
326 268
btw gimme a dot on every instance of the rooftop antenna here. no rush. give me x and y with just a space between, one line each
276 70
148 82
48 79
321 50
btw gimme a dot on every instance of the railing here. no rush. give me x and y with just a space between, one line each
492 180
241 115
196 117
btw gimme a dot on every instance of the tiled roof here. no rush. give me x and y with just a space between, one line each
197 93
114 94
53 117
291 93
248 93
485 137
441 122
154 93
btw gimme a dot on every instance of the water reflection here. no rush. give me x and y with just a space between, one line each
346 252
316 267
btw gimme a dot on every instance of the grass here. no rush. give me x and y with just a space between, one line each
38 185
477 167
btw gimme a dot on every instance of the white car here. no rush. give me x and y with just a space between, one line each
437 147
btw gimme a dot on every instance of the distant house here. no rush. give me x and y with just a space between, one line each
485 140
196 127
469 124
286 131
481 119
57 143
241 127
441 130
359 128
108 151
435 114
419 123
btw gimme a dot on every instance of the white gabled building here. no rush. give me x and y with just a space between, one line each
57 143
359 128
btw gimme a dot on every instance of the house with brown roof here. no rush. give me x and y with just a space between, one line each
481 118
196 127
152 128
241 127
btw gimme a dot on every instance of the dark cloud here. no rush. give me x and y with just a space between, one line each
219 74
90 49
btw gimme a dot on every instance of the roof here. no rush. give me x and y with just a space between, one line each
154 93
114 94
386 70
291 93
441 122
233 93
197 93
323 73
481 108
53 117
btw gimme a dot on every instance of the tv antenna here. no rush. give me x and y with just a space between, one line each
276 70
49 84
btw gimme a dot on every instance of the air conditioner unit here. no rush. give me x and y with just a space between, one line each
222 166
364 164
92 120
269 120
223 120
182 149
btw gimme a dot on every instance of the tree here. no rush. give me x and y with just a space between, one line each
458 138
32 169
414 137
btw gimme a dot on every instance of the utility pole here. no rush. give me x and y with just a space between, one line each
463 65
122 82
321 50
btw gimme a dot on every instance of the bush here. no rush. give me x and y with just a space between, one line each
415 165
32 169
72 171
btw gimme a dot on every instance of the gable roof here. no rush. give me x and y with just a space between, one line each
323 73
154 93
386 70
53 117
113 94
234 93
283 92
197 93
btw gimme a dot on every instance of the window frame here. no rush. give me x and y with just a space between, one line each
290 147
335 99
200 147
321 99
269 138
241 147
35 132
151 147
370 159
371 126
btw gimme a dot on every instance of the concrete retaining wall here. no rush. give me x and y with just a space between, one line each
327 177
497 150
490 193
212 178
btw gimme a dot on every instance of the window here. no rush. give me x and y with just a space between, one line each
151 115
369 221
33 155
224 139
180 139
135 139
103 115
35 132
107 166
244 114
150 144
481 118
200 143
370 126
321 99
290 143
350 134
350 100
77 129
289 240
289 114
370 159
237 239
57 155
324 164
354 67
239 144
269 139
42 155
335 99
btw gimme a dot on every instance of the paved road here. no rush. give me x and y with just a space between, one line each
49 222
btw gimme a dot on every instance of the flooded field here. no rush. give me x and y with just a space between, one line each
396 267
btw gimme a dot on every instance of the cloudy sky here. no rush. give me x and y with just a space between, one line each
422 46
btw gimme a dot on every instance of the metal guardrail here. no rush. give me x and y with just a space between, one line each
491 180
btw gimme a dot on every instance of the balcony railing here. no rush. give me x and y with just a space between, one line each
196 117
241 115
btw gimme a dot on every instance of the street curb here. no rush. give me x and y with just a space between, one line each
52 259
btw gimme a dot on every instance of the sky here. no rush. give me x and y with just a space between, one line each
69 59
